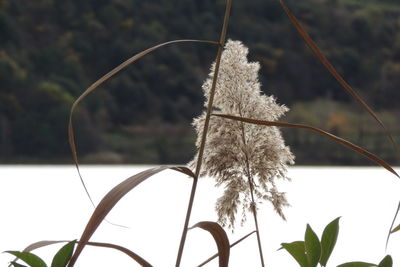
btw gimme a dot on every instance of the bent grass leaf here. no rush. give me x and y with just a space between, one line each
91 88
356 264
328 240
221 239
231 246
128 252
340 140
37 245
112 198
63 255
298 251
318 53
312 247
386 262
29 258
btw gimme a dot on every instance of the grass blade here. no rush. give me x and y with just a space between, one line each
232 245
128 252
39 244
340 140
91 88
112 198
315 49
221 239
318 53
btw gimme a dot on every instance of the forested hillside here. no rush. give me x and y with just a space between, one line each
51 50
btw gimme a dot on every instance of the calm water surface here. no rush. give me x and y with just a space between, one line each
49 203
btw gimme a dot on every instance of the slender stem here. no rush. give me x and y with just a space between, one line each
205 129
231 246
253 208
251 187
391 226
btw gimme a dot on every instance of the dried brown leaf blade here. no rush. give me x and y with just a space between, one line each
232 245
100 81
318 53
221 239
112 198
340 140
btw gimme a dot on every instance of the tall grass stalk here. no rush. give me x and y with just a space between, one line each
221 44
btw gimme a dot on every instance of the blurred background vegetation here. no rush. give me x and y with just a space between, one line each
51 50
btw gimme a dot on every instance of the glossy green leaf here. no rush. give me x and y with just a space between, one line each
29 258
63 255
386 262
312 247
298 252
328 240
356 264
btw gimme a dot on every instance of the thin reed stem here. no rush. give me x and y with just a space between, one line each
253 208
251 187
205 129
232 245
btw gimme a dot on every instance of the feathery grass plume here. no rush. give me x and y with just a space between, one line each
245 158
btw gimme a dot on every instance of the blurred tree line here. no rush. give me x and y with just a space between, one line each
51 50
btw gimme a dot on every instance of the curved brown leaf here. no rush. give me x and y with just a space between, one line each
232 245
315 49
342 141
112 198
318 53
128 252
100 81
221 239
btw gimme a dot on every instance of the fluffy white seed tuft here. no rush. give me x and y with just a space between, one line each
239 154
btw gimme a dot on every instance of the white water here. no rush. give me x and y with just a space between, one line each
48 203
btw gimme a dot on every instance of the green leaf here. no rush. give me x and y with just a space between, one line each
312 247
397 228
356 264
328 240
298 252
15 264
63 255
386 262
29 258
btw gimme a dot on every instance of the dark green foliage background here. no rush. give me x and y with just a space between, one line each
51 50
